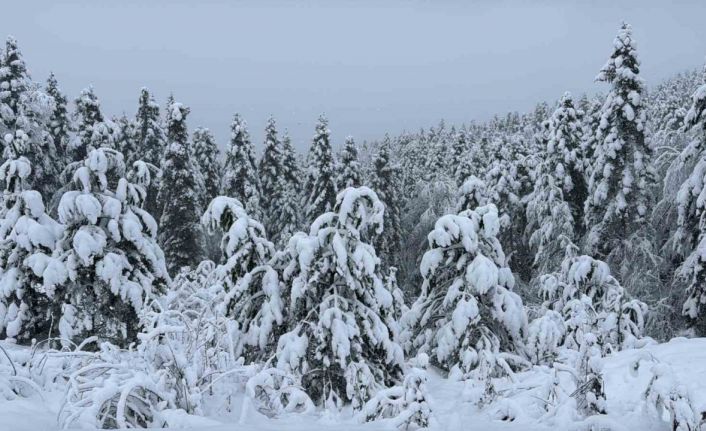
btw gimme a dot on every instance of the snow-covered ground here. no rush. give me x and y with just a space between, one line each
625 386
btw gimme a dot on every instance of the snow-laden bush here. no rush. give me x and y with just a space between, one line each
250 286
467 319
15 377
190 344
185 360
591 300
339 343
113 392
545 335
273 391
665 394
404 405
590 393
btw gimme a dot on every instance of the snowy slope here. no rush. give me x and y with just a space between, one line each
624 389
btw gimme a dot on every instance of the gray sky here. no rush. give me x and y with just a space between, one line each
371 66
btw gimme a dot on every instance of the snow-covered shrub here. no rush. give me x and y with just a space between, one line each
589 393
467 319
113 393
545 335
15 377
339 343
111 264
406 405
273 392
665 393
250 285
191 345
28 237
591 300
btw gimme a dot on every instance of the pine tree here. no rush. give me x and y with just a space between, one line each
460 157
240 177
125 139
472 194
111 263
689 239
151 143
350 171
250 285
15 82
28 236
338 343
619 196
564 147
271 175
150 136
181 235
88 117
59 123
289 219
25 111
320 188
467 319
385 182
205 156
290 164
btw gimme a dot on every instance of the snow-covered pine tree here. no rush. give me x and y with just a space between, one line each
550 223
349 174
473 193
250 285
467 319
460 157
564 147
150 136
339 344
320 187
591 123
14 82
240 177
619 188
151 143
385 181
59 122
26 110
28 237
689 239
88 115
125 139
271 178
111 262
204 153
290 163
289 219
181 235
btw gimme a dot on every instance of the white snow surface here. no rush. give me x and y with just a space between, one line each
684 358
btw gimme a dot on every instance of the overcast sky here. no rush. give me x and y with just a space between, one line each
371 66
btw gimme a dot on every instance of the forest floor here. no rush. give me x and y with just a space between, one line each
522 399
